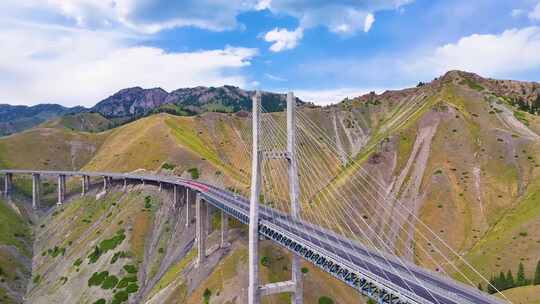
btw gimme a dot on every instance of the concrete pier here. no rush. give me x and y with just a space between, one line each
176 201
85 184
296 276
224 230
8 184
125 184
188 199
36 190
107 181
61 189
209 226
201 213
253 246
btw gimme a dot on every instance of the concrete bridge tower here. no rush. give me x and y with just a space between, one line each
294 286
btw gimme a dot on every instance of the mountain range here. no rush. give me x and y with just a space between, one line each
462 152
131 103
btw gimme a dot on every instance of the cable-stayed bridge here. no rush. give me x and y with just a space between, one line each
303 212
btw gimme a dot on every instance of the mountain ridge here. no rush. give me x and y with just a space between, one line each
135 102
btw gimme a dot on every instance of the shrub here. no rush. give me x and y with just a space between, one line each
36 279
110 282
118 255
194 173
94 256
100 301
265 261
168 166
106 245
120 296
56 251
132 288
78 262
130 268
325 300
97 278
304 270
124 282
206 295
147 202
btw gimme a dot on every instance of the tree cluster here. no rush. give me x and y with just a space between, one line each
507 281
523 105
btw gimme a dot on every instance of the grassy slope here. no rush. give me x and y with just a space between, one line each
86 122
524 295
203 142
16 233
48 148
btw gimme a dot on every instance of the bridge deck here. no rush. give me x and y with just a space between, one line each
411 283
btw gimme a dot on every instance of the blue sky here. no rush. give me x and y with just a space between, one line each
77 52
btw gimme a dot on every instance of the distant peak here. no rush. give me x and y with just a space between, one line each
458 74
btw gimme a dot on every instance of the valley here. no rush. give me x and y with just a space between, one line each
462 152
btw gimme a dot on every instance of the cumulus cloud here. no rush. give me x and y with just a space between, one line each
368 22
341 16
263 4
146 16
283 39
514 50
72 67
535 13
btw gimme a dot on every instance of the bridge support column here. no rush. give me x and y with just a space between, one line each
160 186
201 229
61 189
296 274
224 230
125 184
36 190
187 199
294 285
8 184
209 212
85 184
175 196
253 288
106 183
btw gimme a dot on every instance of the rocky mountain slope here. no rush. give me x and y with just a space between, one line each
459 152
138 101
133 103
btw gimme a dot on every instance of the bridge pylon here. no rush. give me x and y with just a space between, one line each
295 285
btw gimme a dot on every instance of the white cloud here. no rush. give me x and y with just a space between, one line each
535 13
72 67
147 16
283 39
332 96
274 77
339 16
368 22
263 4
517 13
514 50
342 17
